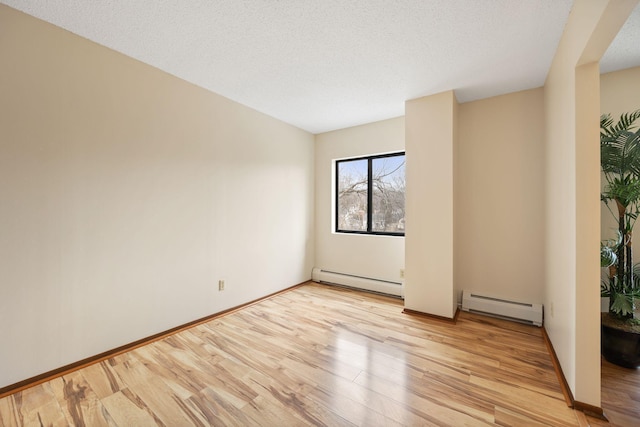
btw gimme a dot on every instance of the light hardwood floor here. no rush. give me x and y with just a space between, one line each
316 355
620 396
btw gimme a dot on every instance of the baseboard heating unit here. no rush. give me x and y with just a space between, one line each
352 281
511 310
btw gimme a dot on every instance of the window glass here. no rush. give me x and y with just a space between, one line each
388 194
370 194
352 195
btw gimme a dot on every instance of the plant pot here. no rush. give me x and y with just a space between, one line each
619 346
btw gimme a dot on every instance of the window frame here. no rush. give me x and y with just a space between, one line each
369 230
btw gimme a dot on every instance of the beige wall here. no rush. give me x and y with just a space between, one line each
559 289
619 93
587 386
500 196
379 257
430 135
126 193
572 192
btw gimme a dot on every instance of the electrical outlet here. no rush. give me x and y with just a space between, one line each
402 273
221 285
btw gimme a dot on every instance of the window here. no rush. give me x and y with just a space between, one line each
370 195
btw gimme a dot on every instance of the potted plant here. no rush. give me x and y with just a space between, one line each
620 162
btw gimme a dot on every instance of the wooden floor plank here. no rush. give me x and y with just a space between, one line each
38 406
620 396
126 410
316 355
78 401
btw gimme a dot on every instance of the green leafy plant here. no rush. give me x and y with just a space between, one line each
620 162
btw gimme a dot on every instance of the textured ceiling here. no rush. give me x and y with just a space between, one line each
624 51
327 64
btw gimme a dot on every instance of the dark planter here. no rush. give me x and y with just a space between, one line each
621 347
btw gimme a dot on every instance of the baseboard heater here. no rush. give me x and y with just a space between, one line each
359 282
511 310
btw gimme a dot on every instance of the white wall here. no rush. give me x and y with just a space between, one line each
126 193
379 257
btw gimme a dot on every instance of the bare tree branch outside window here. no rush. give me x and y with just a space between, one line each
370 194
